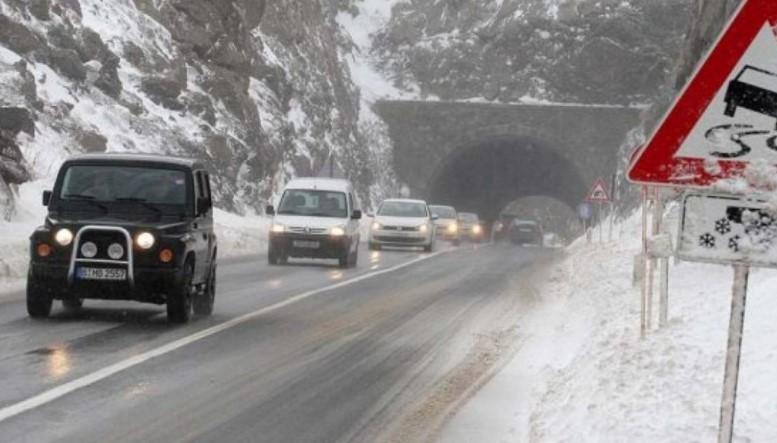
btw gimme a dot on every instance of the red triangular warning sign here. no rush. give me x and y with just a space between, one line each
726 117
598 192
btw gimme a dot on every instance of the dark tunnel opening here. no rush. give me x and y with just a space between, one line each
487 177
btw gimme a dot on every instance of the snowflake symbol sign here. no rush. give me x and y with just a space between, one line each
733 243
707 241
723 226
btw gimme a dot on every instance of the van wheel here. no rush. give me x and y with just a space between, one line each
203 303
374 247
39 299
429 247
354 258
179 303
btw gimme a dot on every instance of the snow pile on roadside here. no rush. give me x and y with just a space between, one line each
592 378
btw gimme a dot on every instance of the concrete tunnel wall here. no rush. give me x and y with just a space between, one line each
482 156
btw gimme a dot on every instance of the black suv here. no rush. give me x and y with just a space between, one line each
126 227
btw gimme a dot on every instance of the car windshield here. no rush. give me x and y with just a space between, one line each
112 184
403 209
443 211
314 203
468 218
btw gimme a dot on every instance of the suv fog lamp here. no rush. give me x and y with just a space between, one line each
89 250
64 237
115 251
145 240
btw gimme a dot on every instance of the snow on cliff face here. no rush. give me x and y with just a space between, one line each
581 51
257 91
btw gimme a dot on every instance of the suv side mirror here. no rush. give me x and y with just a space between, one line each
269 210
46 198
204 205
357 215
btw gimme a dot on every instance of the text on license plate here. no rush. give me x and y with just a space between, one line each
306 244
101 274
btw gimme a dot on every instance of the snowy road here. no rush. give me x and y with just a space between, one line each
384 351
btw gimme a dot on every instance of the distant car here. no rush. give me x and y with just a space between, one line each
526 233
316 218
402 222
446 223
500 231
126 227
471 227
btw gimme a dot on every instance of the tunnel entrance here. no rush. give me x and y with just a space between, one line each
487 177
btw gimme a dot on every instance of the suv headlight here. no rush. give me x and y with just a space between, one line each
278 228
64 237
145 240
337 231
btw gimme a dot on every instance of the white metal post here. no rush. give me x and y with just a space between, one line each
643 288
663 287
733 354
601 222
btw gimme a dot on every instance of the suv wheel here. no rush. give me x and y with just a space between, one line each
72 304
203 303
179 303
39 299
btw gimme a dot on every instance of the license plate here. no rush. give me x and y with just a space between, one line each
302 244
102 274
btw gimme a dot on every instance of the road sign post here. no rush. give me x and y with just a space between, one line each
599 195
721 123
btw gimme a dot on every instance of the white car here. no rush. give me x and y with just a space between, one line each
316 218
403 223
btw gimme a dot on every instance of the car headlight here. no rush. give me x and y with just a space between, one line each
377 226
64 237
278 229
423 228
337 231
89 250
477 229
145 240
115 251
453 228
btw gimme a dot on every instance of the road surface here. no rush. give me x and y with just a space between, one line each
297 353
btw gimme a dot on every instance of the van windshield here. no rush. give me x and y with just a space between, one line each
313 203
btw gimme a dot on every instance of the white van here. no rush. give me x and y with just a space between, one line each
316 218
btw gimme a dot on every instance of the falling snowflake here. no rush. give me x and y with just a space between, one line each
723 226
707 241
733 243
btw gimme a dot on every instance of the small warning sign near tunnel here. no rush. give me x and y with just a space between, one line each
599 192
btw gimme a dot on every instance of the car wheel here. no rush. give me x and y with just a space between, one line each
203 304
73 304
429 247
179 303
39 299
354 259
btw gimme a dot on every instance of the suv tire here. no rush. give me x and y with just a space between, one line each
179 303
203 303
39 299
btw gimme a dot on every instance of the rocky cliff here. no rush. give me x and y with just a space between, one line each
258 90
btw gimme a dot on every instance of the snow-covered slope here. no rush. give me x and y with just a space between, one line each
584 375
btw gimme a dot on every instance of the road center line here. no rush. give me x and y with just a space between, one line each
101 374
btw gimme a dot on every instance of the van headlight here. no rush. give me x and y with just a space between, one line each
145 240
377 226
64 237
337 231
278 228
423 229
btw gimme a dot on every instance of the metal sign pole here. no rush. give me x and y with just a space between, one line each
601 222
663 266
733 353
643 288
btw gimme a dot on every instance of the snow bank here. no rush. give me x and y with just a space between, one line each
583 374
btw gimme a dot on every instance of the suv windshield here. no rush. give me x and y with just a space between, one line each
443 211
116 184
313 203
403 209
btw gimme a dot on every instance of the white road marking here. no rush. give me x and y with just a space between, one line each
90 379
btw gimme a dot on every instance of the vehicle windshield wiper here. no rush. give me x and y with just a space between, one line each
86 198
290 212
141 201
